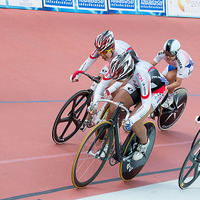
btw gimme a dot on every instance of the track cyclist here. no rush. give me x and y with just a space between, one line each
180 66
145 89
107 48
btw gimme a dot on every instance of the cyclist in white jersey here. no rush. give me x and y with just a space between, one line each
180 66
107 48
145 89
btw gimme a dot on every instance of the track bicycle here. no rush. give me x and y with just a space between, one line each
72 116
190 169
91 156
167 117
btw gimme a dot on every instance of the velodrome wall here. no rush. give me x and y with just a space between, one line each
171 8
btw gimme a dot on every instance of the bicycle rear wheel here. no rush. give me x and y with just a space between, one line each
88 163
190 169
71 116
171 115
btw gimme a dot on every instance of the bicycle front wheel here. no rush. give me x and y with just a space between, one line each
91 158
71 116
171 115
190 169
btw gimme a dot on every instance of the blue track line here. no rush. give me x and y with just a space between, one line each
43 101
55 101
93 183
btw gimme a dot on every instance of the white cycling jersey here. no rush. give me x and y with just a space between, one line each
120 47
141 79
183 63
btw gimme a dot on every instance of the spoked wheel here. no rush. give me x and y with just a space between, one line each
91 158
172 114
71 116
190 169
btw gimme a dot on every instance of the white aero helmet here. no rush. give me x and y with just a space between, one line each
122 66
105 41
172 46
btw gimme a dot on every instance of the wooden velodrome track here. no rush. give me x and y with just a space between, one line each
38 52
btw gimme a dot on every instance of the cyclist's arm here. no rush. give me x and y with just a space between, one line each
114 87
158 58
153 62
145 90
179 75
86 65
176 84
99 91
90 60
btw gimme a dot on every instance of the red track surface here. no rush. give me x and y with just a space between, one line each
38 52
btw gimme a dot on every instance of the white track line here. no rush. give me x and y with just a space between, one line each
73 154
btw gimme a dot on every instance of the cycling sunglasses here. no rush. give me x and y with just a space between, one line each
105 52
170 54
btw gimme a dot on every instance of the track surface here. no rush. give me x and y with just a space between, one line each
38 52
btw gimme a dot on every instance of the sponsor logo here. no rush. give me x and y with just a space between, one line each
155 77
181 6
129 167
180 64
139 77
188 5
130 89
161 53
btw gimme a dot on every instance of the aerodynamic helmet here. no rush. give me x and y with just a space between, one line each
122 66
172 46
105 41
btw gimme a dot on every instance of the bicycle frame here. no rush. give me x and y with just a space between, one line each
116 132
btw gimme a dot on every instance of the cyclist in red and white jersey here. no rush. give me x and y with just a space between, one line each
145 89
107 48
180 66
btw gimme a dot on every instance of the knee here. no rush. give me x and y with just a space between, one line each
171 77
112 109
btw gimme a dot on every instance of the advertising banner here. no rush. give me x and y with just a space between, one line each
184 8
142 7
25 3
60 3
129 5
100 5
3 2
151 5
79 6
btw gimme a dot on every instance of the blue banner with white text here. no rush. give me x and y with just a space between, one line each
147 7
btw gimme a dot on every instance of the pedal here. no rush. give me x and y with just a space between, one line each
113 161
87 124
83 127
90 124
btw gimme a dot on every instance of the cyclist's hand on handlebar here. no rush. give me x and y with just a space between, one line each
127 124
92 109
74 78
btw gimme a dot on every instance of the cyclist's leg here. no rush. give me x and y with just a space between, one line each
122 96
139 128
